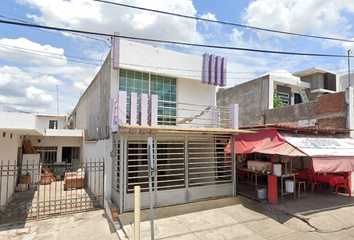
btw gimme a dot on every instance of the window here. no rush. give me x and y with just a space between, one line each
53 124
48 154
297 98
163 87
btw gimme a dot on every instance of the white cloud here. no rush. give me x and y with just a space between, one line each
317 17
206 24
19 88
93 16
25 51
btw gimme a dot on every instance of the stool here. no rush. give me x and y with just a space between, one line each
299 183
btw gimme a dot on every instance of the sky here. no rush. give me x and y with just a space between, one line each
46 72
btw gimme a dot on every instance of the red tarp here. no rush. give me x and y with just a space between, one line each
267 141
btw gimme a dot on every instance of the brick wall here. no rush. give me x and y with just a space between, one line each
331 103
332 122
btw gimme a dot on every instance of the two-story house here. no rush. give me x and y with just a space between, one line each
144 91
49 136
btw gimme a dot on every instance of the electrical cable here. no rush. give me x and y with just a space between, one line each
173 42
225 23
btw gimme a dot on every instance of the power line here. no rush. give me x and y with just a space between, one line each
15 109
97 39
226 23
59 56
172 42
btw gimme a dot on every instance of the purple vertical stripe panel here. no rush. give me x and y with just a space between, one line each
153 110
234 116
143 114
133 108
122 107
116 45
211 69
223 72
216 117
217 71
205 68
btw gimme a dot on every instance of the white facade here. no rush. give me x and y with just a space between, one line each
288 81
44 120
185 67
147 58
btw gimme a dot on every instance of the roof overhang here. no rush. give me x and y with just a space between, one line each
311 71
127 128
63 133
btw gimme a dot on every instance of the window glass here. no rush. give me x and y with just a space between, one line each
163 87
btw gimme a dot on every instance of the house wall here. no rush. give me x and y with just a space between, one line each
148 58
21 123
190 91
92 111
59 142
344 82
8 156
99 151
44 121
252 98
329 111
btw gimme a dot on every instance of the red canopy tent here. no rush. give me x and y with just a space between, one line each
329 153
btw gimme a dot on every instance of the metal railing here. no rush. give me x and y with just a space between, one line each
190 114
149 111
30 192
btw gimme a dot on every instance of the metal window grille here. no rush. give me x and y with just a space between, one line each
208 164
116 164
170 158
48 154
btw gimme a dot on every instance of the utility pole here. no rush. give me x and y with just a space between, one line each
349 68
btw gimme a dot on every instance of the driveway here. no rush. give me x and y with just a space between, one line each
87 225
243 218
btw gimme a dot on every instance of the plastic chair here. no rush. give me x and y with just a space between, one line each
312 181
345 186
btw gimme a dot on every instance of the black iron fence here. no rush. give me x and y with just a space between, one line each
32 190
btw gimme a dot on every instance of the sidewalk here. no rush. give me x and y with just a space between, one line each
87 225
317 217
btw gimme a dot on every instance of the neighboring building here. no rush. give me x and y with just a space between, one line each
255 98
328 109
48 135
144 91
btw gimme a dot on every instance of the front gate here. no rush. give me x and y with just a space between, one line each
33 190
187 168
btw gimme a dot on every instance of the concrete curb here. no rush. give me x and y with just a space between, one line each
117 225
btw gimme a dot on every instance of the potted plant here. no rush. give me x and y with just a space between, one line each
25 179
46 178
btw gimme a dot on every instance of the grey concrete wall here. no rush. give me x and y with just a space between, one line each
317 81
252 97
291 114
92 111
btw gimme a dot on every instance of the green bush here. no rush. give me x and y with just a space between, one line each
277 103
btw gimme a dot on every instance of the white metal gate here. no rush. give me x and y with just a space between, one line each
188 167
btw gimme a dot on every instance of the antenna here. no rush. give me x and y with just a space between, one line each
57 100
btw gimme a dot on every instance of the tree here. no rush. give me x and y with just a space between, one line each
277 103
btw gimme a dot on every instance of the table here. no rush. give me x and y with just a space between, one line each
301 173
332 179
282 177
248 171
